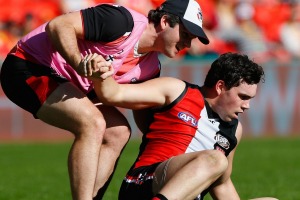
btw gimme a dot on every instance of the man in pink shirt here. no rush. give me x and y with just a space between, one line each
49 73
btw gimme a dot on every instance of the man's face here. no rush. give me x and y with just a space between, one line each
232 102
176 39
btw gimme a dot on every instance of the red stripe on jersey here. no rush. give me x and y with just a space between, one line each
43 86
172 131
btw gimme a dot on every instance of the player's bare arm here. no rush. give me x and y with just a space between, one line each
153 93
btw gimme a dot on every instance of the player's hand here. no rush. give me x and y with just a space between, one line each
95 66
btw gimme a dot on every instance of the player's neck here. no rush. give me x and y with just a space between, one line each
147 40
209 94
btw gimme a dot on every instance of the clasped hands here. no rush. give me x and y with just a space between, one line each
95 66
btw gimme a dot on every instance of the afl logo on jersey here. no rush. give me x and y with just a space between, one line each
187 117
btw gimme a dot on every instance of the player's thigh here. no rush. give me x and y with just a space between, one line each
170 167
68 108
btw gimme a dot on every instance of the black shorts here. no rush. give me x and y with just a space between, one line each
137 185
28 84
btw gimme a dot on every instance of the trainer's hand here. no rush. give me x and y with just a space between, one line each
94 65
106 71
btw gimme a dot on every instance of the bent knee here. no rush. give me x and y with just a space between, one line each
91 127
117 136
215 160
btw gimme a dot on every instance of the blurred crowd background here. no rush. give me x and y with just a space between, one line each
263 29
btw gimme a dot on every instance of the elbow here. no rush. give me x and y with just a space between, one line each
105 98
107 101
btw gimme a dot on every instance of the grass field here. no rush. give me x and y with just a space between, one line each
262 167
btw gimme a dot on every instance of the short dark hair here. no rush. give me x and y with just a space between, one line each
154 17
234 68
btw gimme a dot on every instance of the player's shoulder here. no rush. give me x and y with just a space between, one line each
169 85
170 81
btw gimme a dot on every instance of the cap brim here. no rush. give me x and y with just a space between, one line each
195 30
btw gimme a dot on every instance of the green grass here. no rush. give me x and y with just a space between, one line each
268 167
262 167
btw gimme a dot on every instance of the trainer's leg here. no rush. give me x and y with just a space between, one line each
187 175
68 108
115 138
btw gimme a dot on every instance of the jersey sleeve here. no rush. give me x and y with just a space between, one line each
106 23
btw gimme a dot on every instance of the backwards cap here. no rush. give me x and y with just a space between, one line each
190 14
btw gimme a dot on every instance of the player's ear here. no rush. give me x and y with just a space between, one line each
220 86
164 22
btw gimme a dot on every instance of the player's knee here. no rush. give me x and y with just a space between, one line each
117 136
220 158
92 127
219 161
216 161
124 134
